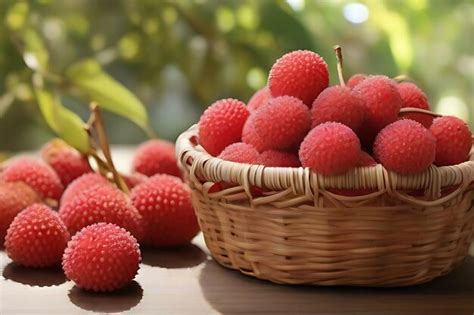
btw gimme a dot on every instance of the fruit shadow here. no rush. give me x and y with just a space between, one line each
185 256
107 302
44 277
230 292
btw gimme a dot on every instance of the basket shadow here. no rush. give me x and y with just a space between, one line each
230 292
44 277
185 256
107 302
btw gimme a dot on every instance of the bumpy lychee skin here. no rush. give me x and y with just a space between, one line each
282 123
259 99
102 203
36 238
330 149
355 79
156 157
250 136
102 257
14 197
68 163
453 140
36 174
275 158
382 104
134 179
240 153
338 104
222 124
413 96
165 203
84 182
302 74
405 147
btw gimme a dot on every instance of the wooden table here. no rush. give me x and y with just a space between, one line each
188 281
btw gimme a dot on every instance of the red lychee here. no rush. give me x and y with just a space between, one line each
338 104
36 174
14 197
275 158
102 203
84 182
222 124
240 153
164 201
413 96
156 157
259 99
102 257
250 136
382 104
68 163
366 159
356 79
330 149
134 179
302 74
282 123
405 147
37 237
453 140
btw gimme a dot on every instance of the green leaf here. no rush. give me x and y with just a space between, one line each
35 54
109 93
61 120
17 15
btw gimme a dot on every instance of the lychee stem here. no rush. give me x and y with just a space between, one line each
408 110
340 60
402 78
104 144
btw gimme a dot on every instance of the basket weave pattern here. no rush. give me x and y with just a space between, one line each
288 225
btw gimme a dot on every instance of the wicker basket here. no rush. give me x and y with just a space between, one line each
293 230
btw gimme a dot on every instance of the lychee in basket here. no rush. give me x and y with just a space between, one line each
288 225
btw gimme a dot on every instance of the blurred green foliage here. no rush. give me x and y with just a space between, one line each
179 56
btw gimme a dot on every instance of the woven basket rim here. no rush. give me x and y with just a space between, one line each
300 179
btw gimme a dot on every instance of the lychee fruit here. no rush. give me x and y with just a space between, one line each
103 203
36 174
84 182
366 159
382 103
240 153
330 149
302 74
405 147
68 163
221 125
156 157
14 197
355 79
273 158
101 257
164 201
453 140
282 123
36 238
250 136
413 96
259 99
338 104
134 179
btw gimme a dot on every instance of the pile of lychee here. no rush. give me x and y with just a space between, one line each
298 120
57 210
